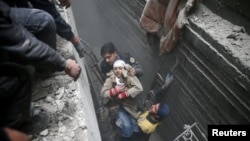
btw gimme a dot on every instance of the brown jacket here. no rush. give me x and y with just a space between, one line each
133 86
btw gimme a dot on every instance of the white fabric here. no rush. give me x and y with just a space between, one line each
118 81
119 63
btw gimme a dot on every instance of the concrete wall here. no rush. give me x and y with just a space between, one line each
93 133
212 80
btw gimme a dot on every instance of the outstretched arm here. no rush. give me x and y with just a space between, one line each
17 41
168 80
157 95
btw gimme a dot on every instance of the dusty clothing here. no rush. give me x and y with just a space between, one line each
166 18
127 58
152 15
133 86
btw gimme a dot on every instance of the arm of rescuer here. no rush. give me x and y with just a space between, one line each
17 41
136 66
137 69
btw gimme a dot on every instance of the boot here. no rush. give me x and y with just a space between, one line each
36 123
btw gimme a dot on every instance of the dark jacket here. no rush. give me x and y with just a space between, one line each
3 135
17 3
19 45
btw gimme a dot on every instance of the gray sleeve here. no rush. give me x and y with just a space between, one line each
138 68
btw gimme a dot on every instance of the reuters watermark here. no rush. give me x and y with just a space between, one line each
239 132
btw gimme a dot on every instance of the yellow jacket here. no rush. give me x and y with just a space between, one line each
145 125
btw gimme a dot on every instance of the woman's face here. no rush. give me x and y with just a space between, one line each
118 71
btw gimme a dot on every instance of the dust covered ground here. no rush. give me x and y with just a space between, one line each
59 95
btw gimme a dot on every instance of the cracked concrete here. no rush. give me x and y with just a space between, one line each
233 37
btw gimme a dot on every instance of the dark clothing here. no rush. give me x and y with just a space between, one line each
63 29
20 46
38 22
15 94
156 96
127 58
17 3
17 44
3 135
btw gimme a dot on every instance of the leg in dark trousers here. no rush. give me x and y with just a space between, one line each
38 22
63 29
15 95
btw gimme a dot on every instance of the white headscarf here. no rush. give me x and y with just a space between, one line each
119 63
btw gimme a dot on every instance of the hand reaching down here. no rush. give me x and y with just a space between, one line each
73 69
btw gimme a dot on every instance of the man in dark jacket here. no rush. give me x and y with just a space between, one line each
19 48
110 55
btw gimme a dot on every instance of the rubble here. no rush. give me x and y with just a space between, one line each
59 96
233 38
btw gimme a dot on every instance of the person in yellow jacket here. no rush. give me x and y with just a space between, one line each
141 127
149 120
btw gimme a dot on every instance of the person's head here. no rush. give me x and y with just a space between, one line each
109 53
159 110
118 66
